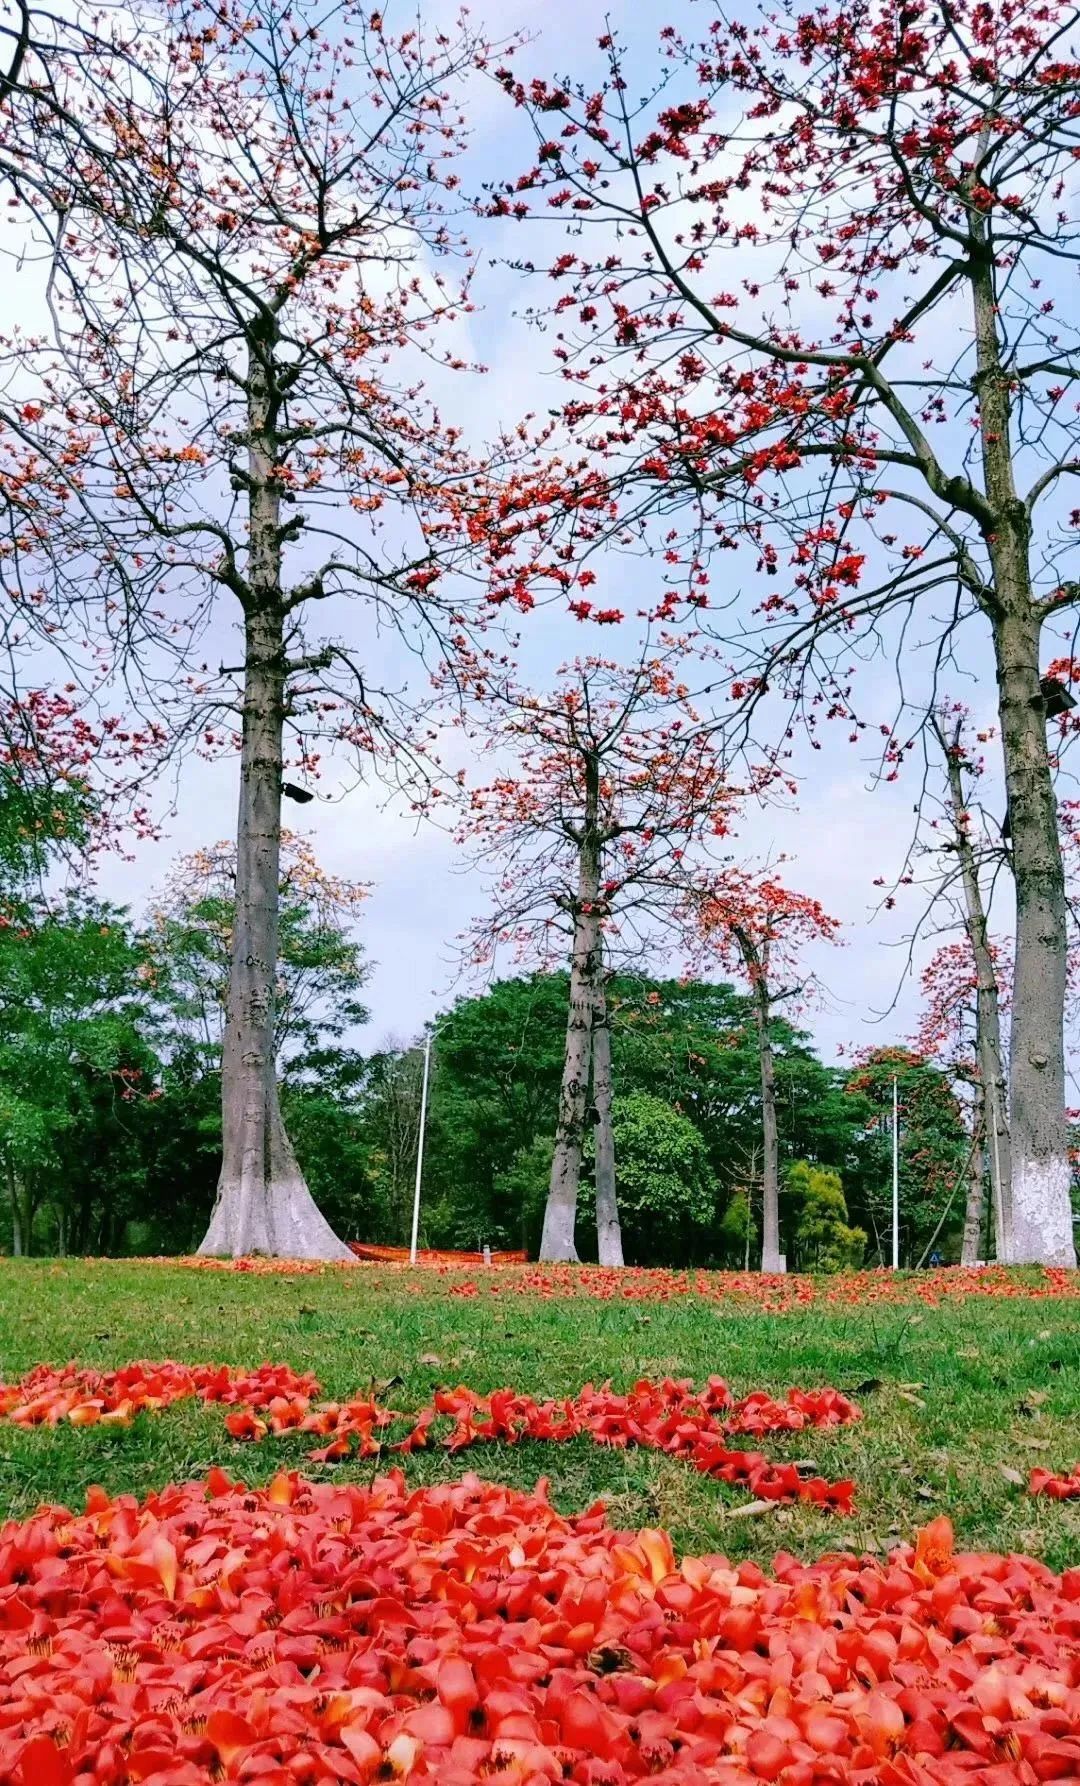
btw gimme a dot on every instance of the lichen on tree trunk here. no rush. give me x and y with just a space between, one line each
992 1114
557 1242
1040 1230
757 967
608 1228
263 1204
976 1194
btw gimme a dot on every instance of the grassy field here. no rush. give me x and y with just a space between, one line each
952 1397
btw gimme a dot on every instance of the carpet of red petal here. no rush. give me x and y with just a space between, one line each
351 1633
750 1290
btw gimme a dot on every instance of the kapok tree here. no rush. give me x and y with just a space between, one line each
748 922
612 789
321 970
950 1035
811 308
242 314
947 974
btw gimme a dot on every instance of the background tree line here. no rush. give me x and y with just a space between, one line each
110 1109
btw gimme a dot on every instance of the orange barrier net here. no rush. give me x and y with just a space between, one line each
399 1255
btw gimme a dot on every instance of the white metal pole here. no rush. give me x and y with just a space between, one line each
895 1177
420 1148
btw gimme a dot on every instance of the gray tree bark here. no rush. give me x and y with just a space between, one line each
608 1228
557 1242
23 1210
757 967
991 1059
1041 1229
976 1197
263 1204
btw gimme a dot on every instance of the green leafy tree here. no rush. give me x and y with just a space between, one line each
321 967
389 1113
498 1062
934 1150
75 1067
666 1187
694 1043
180 1134
824 1239
330 1138
737 1232
73 1054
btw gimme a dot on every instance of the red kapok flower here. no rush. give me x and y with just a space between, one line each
934 1549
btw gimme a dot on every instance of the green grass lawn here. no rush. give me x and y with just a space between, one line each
966 1391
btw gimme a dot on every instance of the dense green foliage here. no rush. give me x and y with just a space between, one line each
73 1062
688 1048
934 1150
667 1197
110 1040
824 1240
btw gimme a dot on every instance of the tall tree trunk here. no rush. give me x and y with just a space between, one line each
608 1229
23 1208
976 1197
263 1204
1041 1229
757 967
79 1239
560 1216
994 1102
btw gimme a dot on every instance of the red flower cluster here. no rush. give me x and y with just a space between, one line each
1056 1488
774 1295
752 1290
463 1633
668 1416
46 1396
